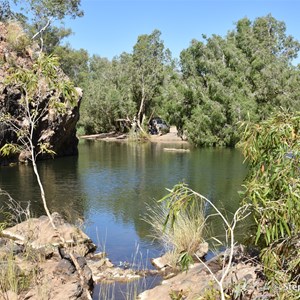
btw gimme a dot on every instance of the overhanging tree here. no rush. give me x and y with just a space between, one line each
272 188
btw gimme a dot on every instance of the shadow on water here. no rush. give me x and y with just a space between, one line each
109 185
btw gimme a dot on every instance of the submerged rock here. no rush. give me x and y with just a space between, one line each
103 270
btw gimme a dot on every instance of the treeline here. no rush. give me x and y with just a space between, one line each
216 83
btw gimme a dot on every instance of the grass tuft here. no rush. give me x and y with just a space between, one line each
186 234
16 37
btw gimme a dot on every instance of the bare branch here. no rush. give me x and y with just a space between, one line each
43 28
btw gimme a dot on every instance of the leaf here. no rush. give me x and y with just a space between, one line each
258 233
9 149
185 260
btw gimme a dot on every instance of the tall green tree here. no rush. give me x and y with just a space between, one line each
246 74
148 58
129 87
107 96
74 63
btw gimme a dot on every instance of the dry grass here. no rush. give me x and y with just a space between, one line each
16 37
12 279
186 233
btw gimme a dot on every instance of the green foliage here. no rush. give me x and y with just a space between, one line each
181 239
179 199
107 96
184 221
185 260
43 87
9 149
36 16
126 87
41 10
74 63
219 82
52 38
147 68
246 74
210 293
273 188
178 295
43 78
238 290
272 149
45 148
136 135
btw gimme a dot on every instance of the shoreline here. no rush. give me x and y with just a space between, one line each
59 278
168 138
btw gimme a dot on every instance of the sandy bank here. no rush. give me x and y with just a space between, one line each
170 137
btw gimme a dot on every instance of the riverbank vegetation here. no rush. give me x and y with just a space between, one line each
183 236
272 188
271 197
216 83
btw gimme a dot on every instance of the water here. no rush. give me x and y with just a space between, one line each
109 184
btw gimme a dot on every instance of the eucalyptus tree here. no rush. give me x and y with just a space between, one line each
269 52
213 71
38 17
148 58
108 94
170 102
74 63
246 74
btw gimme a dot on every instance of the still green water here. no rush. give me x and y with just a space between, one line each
109 184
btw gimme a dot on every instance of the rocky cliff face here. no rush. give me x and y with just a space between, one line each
56 129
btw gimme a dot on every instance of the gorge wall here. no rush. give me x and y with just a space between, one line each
57 129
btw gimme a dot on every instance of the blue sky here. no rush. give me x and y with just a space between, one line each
110 27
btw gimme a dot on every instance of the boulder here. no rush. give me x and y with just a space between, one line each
65 267
38 233
27 245
56 282
103 270
193 283
201 251
54 128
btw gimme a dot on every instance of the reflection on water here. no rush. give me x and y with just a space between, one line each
109 184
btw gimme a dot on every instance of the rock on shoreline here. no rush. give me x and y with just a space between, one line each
33 251
243 278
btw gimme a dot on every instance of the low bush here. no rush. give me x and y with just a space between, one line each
184 235
272 188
